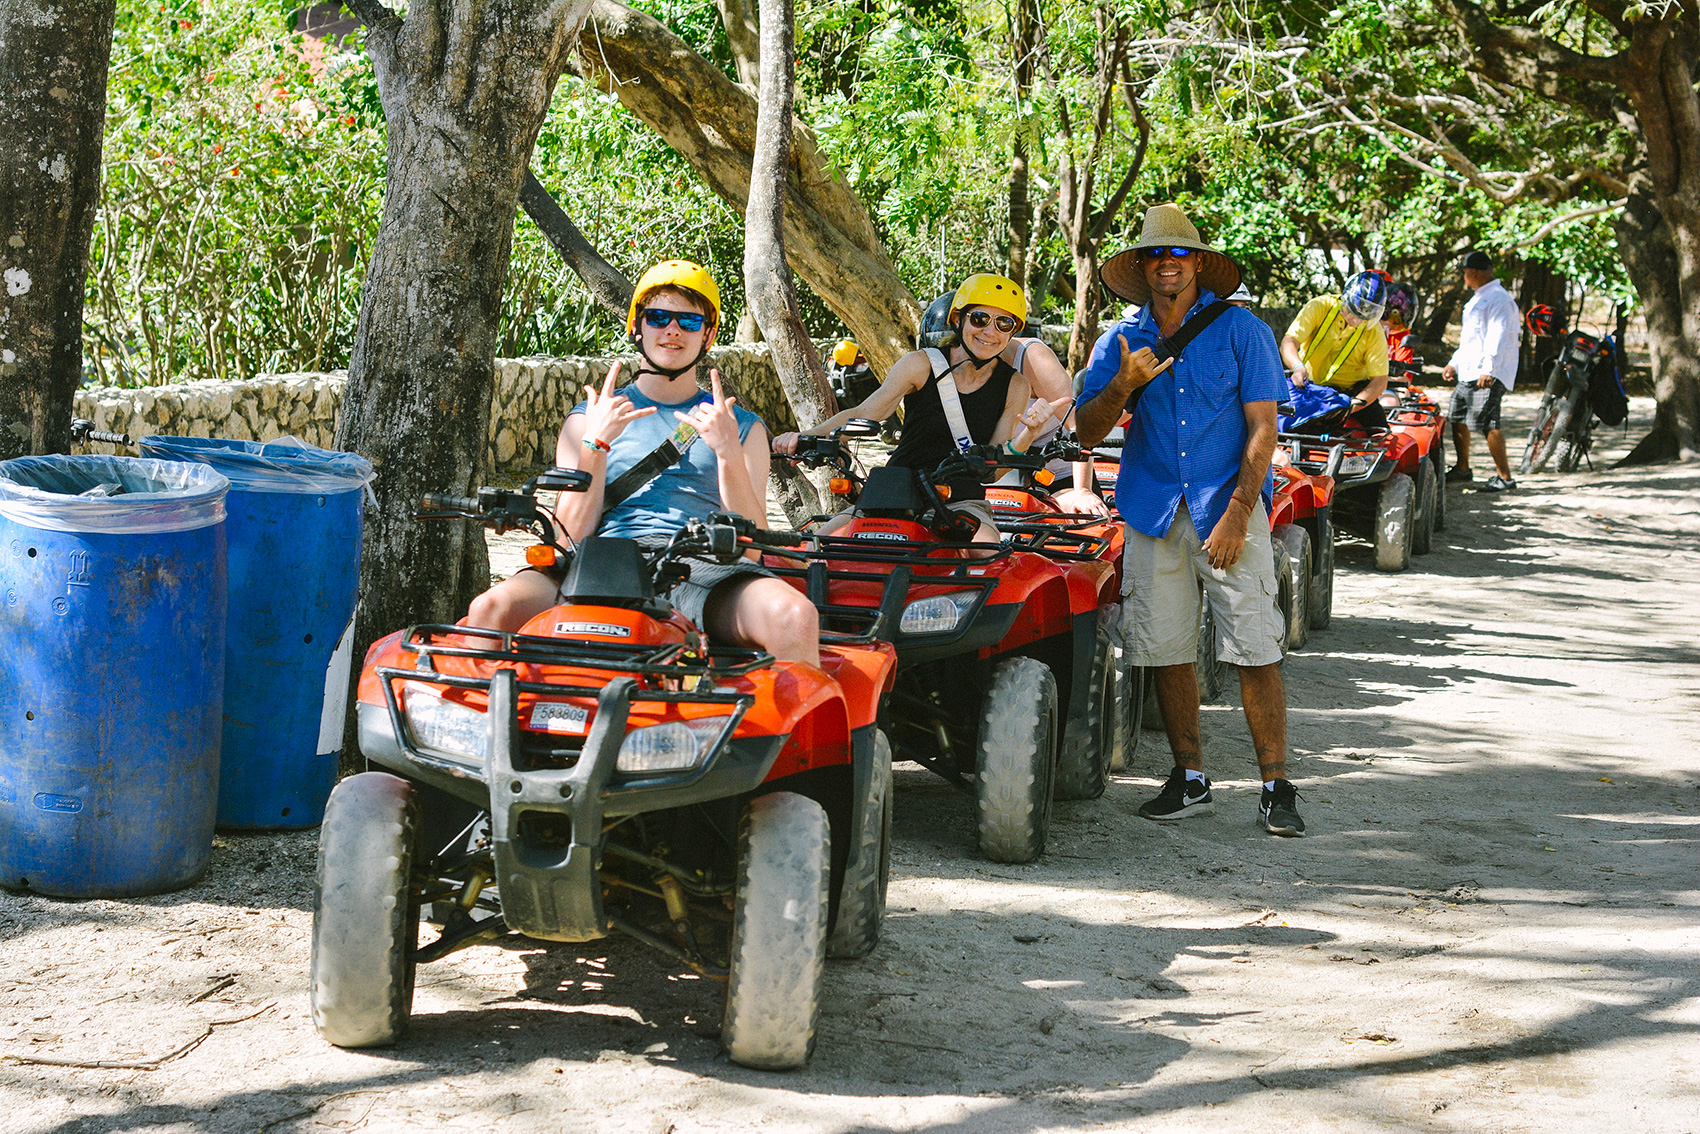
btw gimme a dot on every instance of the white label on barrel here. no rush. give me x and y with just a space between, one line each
335 705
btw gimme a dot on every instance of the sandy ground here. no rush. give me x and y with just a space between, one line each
1492 926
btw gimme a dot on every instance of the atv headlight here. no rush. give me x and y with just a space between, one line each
447 728
1355 465
672 747
937 614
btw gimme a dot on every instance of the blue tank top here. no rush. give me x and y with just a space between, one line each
688 490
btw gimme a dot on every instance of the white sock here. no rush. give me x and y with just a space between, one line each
1195 775
1268 785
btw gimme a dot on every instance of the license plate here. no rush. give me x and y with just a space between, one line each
548 716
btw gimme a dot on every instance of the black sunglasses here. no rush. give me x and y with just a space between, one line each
1159 253
659 317
1006 323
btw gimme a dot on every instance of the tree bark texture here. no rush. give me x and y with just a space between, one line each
743 36
1081 147
464 91
53 62
1648 87
607 284
767 275
1024 33
711 122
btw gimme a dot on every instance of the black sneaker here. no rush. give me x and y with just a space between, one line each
1458 474
1279 812
1497 483
1179 798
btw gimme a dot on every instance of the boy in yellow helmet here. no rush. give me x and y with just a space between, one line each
722 465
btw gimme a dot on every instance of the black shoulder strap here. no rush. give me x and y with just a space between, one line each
1172 347
656 462
653 464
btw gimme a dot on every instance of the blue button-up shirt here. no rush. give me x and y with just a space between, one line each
1188 433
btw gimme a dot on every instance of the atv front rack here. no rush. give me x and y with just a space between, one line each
904 557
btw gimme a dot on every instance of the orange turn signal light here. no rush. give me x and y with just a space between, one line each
542 555
1044 476
840 485
944 491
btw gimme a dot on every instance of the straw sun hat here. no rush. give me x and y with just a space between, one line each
1167 227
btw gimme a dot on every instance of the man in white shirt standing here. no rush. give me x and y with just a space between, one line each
1485 366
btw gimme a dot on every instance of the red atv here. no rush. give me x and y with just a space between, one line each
607 770
1007 675
1415 413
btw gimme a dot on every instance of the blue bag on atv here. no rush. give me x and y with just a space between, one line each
1310 403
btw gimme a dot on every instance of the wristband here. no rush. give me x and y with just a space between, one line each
596 443
1241 499
1009 447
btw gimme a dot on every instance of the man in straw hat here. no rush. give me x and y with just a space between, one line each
1195 488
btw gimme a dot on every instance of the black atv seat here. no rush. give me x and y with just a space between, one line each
608 572
890 490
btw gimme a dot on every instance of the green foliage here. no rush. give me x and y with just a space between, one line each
244 169
242 184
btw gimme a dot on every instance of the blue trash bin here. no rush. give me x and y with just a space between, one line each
112 616
295 515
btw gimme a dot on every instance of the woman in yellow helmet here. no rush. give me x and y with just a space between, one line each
720 460
968 395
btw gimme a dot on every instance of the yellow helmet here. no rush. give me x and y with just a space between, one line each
845 352
675 273
989 291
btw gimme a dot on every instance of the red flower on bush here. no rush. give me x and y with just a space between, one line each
349 120
218 147
184 25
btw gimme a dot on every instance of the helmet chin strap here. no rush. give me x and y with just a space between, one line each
962 341
650 366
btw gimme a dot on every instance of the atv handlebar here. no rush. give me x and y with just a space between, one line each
83 431
443 502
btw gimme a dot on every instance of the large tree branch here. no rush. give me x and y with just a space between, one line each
607 283
711 122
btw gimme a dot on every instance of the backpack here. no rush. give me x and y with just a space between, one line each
1606 396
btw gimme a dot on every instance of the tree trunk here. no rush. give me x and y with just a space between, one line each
464 93
53 62
711 122
768 289
743 36
1644 242
1084 332
607 284
1020 214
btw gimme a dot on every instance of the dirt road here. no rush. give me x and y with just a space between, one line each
1492 926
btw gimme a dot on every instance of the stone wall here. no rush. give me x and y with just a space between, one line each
531 399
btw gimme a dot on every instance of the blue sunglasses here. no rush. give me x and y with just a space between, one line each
659 317
1159 253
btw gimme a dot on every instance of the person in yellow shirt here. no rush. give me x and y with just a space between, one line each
1338 340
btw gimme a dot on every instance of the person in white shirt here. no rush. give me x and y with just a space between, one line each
1484 366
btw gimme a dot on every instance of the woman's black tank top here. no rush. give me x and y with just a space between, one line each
927 439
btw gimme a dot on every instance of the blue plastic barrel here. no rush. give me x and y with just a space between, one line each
112 614
295 514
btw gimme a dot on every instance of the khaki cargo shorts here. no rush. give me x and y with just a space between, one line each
1161 582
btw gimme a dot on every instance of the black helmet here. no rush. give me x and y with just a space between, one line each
1542 321
936 330
1403 299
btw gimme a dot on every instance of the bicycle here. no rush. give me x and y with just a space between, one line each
1564 424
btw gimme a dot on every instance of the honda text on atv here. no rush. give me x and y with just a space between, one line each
1006 677
607 770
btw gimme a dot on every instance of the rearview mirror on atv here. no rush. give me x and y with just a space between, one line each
564 480
858 427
